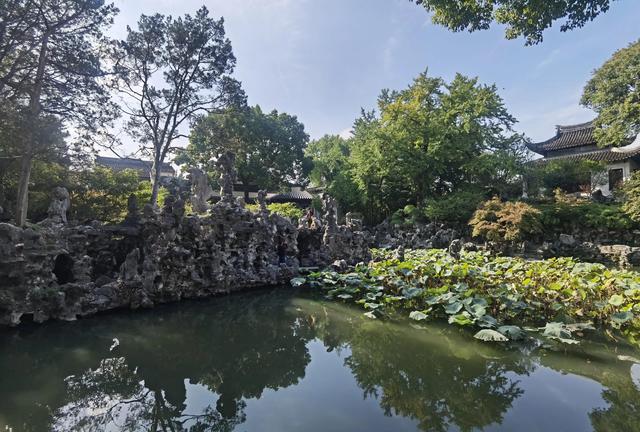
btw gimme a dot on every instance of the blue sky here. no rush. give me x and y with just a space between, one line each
323 60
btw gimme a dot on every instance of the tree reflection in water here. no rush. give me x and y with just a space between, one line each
112 396
427 374
233 349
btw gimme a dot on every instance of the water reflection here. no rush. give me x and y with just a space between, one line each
230 351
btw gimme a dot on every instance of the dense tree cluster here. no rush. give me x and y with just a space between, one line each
430 141
269 147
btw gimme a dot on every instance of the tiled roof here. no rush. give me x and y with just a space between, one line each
291 196
566 137
129 163
604 155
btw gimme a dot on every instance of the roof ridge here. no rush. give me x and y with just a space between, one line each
579 126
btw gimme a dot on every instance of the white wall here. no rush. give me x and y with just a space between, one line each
600 180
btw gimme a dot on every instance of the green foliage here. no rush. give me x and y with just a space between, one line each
49 164
288 210
568 175
102 193
409 215
331 169
614 93
429 140
44 177
500 221
507 221
457 207
503 294
51 69
528 19
581 214
631 191
269 147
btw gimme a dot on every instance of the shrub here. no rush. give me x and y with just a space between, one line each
457 207
566 216
409 215
631 194
500 221
102 193
288 210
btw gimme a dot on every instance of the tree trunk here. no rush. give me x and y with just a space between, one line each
22 200
155 182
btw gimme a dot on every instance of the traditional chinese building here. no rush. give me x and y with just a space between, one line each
576 142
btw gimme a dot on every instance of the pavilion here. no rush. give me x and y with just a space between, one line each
576 142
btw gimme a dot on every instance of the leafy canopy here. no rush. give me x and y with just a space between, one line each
568 175
51 71
269 147
432 139
101 193
526 18
331 169
614 93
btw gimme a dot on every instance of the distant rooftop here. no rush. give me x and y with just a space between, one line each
296 195
578 135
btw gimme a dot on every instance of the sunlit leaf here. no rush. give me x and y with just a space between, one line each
418 316
489 335
296 282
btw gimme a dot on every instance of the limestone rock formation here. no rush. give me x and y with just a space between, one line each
200 190
55 271
226 165
60 203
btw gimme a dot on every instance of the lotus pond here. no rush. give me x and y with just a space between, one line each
289 360
505 299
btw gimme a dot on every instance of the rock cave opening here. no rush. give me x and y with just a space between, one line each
63 269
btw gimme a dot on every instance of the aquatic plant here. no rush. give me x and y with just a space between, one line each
558 298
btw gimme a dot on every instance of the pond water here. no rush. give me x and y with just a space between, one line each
281 360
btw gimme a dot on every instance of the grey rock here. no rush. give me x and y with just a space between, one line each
55 271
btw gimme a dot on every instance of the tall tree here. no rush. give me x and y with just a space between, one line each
169 70
433 139
331 169
614 93
527 18
50 68
269 147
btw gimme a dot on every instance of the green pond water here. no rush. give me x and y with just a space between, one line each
282 360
